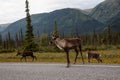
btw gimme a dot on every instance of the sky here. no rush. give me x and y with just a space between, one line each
13 10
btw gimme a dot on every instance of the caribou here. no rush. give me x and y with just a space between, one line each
67 44
94 56
24 54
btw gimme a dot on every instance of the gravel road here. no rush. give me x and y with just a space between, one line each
54 71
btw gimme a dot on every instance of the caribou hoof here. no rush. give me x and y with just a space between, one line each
83 63
68 66
74 63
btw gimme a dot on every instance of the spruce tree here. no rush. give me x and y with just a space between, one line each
30 45
109 32
29 28
1 39
16 40
56 28
9 40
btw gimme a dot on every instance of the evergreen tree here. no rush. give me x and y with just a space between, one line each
109 35
0 39
30 44
17 40
20 37
43 39
94 40
9 40
29 32
77 32
21 34
56 28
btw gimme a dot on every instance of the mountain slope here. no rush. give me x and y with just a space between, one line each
3 26
87 11
115 23
68 21
106 10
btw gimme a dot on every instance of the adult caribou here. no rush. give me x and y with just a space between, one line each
67 44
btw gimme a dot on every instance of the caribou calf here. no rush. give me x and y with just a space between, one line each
94 55
67 44
25 54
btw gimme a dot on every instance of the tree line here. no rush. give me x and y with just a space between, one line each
41 43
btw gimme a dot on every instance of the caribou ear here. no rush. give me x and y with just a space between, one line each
52 33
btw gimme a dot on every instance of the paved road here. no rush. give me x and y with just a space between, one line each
44 71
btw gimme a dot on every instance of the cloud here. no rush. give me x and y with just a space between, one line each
12 10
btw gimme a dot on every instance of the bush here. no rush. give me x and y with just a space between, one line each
48 49
31 47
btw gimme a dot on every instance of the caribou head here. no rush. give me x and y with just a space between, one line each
53 38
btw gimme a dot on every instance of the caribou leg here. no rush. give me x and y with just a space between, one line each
35 57
25 59
99 60
88 60
76 55
81 54
67 56
21 58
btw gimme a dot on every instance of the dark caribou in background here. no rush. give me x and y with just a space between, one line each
92 55
24 54
67 44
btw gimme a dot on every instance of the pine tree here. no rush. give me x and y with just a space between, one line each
29 32
21 37
21 34
94 40
30 45
43 39
109 35
56 28
16 40
0 39
9 40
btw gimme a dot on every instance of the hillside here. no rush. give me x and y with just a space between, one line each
115 23
106 10
87 11
3 26
68 21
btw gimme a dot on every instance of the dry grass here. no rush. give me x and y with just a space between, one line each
108 56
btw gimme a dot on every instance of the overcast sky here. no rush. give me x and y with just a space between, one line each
12 10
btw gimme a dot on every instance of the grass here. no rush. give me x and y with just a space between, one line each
108 57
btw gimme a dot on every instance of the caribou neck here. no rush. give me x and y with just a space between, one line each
60 43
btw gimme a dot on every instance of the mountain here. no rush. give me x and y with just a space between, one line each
115 23
3 26
87 11
106 10
68 20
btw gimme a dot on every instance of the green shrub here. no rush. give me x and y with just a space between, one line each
31 47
